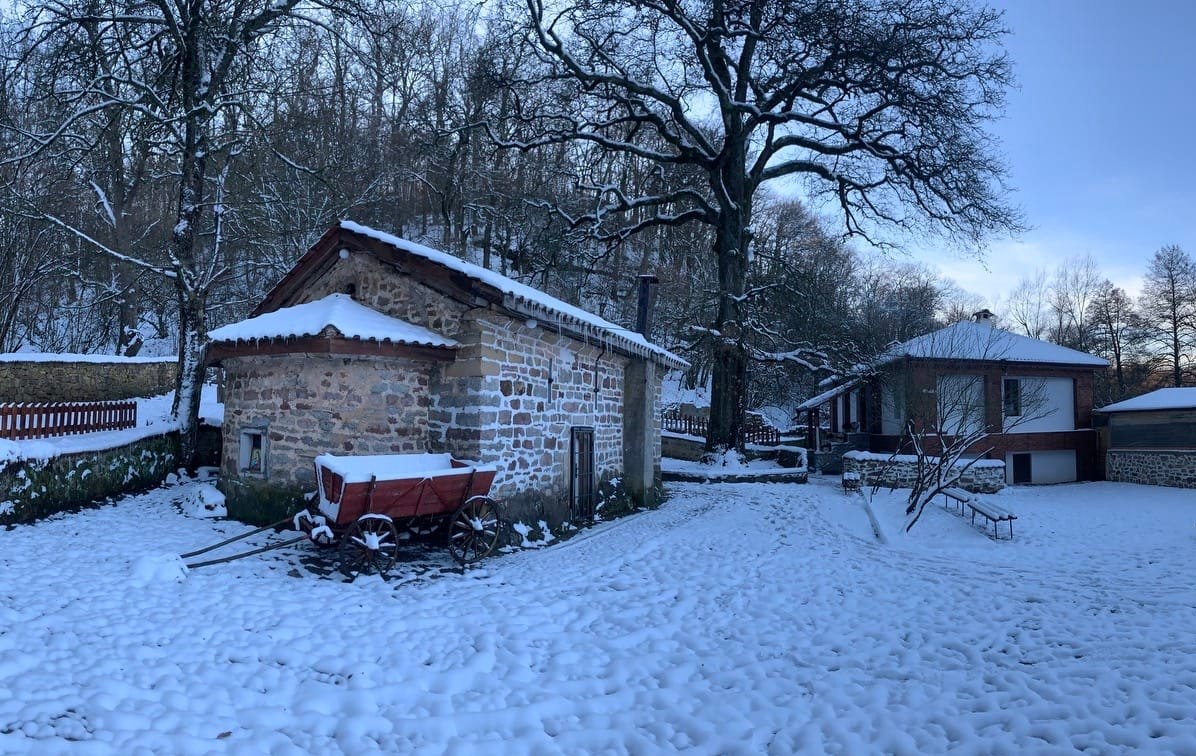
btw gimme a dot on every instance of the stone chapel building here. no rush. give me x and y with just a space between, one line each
373 344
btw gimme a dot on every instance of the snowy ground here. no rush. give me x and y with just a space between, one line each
755 467
750 618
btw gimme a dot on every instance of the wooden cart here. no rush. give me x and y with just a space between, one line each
362 501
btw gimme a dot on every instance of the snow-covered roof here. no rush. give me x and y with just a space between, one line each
815 402
524 297
351 319
1162 399
968 340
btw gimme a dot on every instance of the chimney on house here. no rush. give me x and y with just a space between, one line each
647 303
984 317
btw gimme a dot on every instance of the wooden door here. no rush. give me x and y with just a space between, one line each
581 489
1022 472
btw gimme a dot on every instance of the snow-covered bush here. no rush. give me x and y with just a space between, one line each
206 502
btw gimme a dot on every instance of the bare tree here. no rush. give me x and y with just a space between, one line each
1118 334
1028 304
879 104
175 68
894 301
1169 304
1074 287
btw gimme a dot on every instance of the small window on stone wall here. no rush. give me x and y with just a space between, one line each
253 451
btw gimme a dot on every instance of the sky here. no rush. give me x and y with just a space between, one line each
1099 137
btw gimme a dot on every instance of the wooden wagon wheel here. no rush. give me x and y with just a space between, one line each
369 545
474 530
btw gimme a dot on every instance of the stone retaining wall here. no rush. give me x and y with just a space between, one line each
1155 468
33 489
690 449
676 447
989 478
65 380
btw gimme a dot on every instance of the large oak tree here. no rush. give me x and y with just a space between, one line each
879 105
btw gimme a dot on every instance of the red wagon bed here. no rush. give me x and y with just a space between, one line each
362 497
397 485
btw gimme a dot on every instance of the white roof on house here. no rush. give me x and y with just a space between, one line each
968 340
1162 399
550 307
817 401
352 319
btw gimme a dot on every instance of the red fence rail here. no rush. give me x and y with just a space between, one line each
20 421
753 432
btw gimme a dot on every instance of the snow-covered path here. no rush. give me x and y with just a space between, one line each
736 619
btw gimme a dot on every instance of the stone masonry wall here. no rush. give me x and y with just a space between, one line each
512 398
493 403
36 488
90 381
311 405
376 284
1155 468
989 478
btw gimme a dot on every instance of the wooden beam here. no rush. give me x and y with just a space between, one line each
322 345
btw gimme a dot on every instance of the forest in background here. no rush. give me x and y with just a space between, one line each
390 113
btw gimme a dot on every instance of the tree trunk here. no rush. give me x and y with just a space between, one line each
189 382
119 192
129 339
1119 368
487 238
1176 355
190 289
731 240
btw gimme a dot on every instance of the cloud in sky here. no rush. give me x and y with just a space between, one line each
1006 263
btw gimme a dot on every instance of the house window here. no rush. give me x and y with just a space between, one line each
253 451
1013 397
960 400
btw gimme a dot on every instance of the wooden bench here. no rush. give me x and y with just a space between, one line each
991 512
956 496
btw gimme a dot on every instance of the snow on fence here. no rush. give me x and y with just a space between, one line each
22 421
753 432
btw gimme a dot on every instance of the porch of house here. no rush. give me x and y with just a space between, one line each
848 418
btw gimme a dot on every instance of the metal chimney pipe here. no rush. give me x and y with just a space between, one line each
647 303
